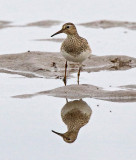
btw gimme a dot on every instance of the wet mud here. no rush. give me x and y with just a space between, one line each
110 24
44 23
5 24
86 91
51 65
105 24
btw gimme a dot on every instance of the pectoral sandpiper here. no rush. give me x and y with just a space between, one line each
74 48
75 115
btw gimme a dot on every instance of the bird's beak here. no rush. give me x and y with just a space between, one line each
60 134
61 31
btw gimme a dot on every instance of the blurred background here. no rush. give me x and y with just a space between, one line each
27 25
24 11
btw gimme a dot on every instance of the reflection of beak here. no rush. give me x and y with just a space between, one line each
60 134
61 31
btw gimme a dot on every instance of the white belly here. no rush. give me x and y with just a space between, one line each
79 58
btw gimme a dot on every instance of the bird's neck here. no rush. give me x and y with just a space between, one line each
74 130
76 35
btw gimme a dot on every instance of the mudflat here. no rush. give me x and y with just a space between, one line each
51 65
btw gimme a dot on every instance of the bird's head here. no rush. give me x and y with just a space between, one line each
67 28
68 137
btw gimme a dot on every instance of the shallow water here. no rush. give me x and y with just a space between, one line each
103 42
108 80
26 124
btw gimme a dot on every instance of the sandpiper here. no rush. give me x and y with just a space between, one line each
74 48
75 114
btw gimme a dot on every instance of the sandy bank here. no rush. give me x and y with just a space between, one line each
86 91
110 24
51 65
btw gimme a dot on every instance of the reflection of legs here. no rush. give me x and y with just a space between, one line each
79 74
65 74
66 100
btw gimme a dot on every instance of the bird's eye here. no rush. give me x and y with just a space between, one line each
67 27
68 139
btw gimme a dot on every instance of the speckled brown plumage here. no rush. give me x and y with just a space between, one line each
75 119
74 48
75 45
75 114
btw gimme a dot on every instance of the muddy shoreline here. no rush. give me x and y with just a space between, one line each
104 24
51 65
86 91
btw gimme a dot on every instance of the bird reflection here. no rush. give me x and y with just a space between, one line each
75 114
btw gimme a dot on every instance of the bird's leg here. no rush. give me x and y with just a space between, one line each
79 74
65 80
